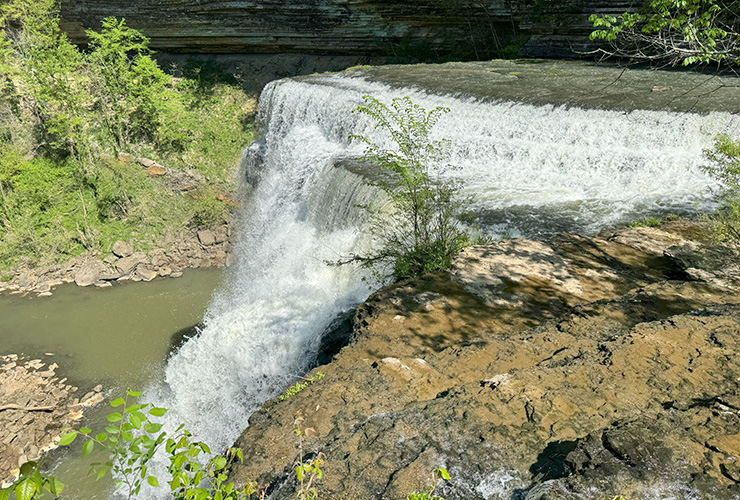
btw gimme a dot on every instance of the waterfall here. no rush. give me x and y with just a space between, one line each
527 169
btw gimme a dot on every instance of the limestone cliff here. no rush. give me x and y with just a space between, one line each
425 29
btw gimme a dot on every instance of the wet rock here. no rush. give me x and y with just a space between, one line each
89 273
122 248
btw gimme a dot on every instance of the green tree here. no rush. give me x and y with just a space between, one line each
134 89
674 32
421 232
724 166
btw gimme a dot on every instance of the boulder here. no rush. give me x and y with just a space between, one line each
146 162
127 264
122 248
125 158
146 274
89 273
155 171
206 237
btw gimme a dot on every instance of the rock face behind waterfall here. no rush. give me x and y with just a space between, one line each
424 29
568 368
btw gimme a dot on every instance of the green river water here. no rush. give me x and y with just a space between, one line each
119 337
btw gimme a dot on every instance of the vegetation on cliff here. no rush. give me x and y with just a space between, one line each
421 232
674 32
67 114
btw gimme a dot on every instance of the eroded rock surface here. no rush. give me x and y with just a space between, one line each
35 405
570 368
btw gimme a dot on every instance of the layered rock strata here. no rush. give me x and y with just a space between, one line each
424 29
568 368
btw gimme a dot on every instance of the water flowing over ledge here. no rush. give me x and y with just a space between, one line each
530 170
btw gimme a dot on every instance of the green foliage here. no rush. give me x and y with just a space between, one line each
207 209
649 222
192 479
724 166
65 114
437 474
308 472
31 484
299 386
130 440
421 233
674 31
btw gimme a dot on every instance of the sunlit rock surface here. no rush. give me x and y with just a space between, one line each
567 368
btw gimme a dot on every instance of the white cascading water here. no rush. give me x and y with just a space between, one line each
525 166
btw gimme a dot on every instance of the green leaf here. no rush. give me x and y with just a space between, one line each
443 473
54 485
219 462
102 436
117 402
135 394
111 429
67 438
157 412
153 481
101 473
152 428
25 490
87 448
137 418
4 494
85 430
28 468
114 417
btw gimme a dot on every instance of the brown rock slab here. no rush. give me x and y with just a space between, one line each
568 368
89 273
122 248
155 171
206 237
127 264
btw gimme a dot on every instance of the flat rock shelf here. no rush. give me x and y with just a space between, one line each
35 405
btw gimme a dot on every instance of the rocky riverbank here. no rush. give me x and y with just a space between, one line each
177 251
569 368
35 405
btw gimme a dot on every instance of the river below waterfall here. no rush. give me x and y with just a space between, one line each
119 337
